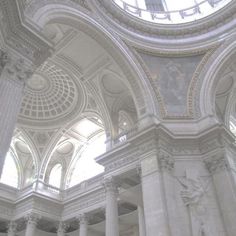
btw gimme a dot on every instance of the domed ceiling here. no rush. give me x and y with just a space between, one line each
171 11
51 96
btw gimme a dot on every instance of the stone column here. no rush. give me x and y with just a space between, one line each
61 229
13 73
83 225
220 170
32 220
12 229
154 201
112 218
141 222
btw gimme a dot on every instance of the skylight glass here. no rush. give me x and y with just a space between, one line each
55 176
10 173
86 166
171 11
86 127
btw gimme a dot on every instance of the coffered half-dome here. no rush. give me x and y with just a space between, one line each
51 95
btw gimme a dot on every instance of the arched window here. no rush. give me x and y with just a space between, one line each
10 173
86 166
55 176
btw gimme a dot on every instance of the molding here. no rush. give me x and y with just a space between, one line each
18 39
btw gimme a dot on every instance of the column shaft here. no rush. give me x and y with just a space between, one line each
13 74
30 229
112 218
32 221
10 101
83 222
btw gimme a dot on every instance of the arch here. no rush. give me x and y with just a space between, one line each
62 13
35 155
54 143
86 156
210 76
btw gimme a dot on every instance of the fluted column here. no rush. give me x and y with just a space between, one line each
112 218
83 225
13 73
141 221
154 201
12 229
32 220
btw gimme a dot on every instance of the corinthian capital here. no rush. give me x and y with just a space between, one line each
216 163
32 218
14 68
62 227
83 218
166 162
12 227
110 185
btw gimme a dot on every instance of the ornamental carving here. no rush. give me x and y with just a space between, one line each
193 195
166 162
62 227
83 219
110 185
32 218
216 163
3 60
12 227
17 70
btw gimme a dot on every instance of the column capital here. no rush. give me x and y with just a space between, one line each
110 185
14 68
12 227
166 162
32 218
83 218
61 227
216 163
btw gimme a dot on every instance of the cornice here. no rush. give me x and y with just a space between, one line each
174 37
20 40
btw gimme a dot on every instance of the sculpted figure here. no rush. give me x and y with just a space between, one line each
192 196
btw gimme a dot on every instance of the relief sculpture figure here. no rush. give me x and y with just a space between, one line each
192 195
